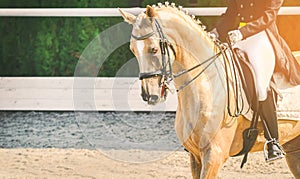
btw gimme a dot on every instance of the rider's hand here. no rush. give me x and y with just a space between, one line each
235 36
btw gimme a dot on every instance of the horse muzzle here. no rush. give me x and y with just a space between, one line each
153 99
150 99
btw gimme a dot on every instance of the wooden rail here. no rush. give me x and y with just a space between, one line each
112 12
75 94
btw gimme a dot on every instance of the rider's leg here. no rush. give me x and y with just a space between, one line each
262 58
267 110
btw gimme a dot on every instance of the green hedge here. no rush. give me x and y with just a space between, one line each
51 46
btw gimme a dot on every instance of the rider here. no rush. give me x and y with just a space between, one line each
251 25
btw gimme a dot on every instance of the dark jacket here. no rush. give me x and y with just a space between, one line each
260 15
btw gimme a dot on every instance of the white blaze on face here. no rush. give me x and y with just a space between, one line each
140 45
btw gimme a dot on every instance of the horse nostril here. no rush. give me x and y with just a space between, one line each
145 97
154 97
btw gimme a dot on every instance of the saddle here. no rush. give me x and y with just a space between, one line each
247 77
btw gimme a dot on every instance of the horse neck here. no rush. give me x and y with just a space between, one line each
201 104
192 46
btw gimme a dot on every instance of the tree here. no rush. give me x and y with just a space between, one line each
48 46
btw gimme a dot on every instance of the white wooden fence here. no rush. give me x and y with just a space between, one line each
79 94
84 94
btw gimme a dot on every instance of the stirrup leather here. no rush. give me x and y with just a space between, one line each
281 155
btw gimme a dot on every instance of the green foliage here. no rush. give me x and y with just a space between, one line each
52 46
45 46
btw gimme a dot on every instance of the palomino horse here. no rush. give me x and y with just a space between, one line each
166 42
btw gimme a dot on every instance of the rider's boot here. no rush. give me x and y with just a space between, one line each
275 151
267 111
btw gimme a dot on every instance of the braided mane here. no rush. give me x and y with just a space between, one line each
185 14
180 9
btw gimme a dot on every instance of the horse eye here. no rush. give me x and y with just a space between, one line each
154 50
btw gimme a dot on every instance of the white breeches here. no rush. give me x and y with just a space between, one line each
262 58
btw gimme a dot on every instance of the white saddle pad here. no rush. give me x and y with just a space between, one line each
288 107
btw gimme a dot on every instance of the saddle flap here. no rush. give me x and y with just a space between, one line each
247 76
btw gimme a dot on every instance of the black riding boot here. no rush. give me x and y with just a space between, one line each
267 110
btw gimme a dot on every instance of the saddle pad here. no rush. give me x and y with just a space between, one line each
288 107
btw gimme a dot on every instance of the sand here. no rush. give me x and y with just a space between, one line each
84 163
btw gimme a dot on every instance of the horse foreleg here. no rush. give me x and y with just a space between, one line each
293 161
212 161
195 166
292 149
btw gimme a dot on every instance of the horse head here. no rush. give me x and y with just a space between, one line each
154 54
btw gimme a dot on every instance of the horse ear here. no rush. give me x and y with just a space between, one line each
150 12
130 18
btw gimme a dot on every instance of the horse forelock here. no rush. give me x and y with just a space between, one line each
142 25
141 21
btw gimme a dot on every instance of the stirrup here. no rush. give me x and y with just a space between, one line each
279 156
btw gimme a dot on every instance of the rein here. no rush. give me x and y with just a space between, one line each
237 93
211 60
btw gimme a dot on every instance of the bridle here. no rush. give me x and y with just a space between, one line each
166 74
